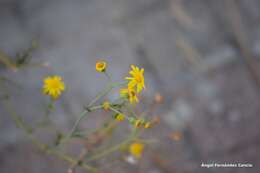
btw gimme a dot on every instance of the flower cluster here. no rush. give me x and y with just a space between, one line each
122 108
54 86
135 84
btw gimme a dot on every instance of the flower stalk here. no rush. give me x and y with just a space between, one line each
121 109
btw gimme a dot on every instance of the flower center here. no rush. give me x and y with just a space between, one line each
54 85
138 78
100 65
132 93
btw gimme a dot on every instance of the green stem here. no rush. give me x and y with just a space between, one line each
109 77
45 148
92 131
115 84
70 134
131 111
75 126
46 119
114 148
107 89
118 112
6 60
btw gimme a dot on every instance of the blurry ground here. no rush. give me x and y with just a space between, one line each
190 52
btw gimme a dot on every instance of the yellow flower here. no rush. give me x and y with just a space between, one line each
147 125
106 105
101 66
130 93
120 117
53 86
136 149
137 79
138 123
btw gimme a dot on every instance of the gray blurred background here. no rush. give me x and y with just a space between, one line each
201 55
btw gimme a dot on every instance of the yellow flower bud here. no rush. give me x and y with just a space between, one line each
101 66
106 105
120 117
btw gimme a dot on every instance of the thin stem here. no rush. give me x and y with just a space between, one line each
107 89
82 115
99 132
46 119
114 148
114 110
115 84
44 147
6 79
109 77
131 111
88 109
6 60
118 112
75 126
18 121
92 131
70 134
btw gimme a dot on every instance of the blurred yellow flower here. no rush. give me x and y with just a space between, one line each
119 117
137 79
53 86
106 105
147 125
101 66
138 123
136 149
130 93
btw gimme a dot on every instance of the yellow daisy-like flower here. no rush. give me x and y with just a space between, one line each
137 79
119 117
53 86
101 66
130 93
106 105
136 149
